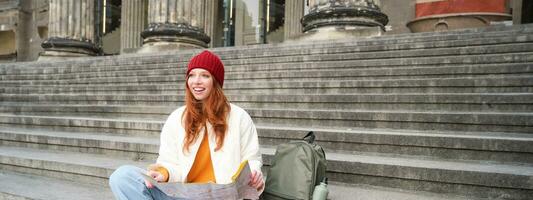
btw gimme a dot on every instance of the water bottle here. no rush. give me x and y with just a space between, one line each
321 190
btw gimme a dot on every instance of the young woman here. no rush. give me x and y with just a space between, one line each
204 141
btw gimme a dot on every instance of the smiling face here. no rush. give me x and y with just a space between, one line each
200 83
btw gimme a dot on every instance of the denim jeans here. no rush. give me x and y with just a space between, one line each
127 183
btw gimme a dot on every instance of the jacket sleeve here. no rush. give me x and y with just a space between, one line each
169 148
250 143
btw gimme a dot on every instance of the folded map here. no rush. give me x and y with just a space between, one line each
238 189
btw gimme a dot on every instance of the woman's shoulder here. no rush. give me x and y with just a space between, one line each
239 112
178 112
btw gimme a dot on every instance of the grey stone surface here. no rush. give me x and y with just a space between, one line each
44 188
493 102
326 72
366 192
446 37
511 83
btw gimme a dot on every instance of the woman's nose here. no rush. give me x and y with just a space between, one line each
195 79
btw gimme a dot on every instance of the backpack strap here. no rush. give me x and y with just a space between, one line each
310 137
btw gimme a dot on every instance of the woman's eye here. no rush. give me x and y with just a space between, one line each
205 75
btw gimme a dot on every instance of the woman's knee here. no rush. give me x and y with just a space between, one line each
126 173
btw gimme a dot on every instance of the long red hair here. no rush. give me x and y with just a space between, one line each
213 109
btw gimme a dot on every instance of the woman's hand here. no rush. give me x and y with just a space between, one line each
256 180
156 176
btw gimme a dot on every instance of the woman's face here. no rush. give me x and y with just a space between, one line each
200 82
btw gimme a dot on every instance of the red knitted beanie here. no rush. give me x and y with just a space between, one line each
210 62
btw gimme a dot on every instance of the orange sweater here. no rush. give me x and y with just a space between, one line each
202 168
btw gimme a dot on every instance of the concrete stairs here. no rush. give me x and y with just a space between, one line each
414 116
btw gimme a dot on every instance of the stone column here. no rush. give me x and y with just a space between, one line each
332 19
517 11
133 22
211 10
175 24
70 29
294 11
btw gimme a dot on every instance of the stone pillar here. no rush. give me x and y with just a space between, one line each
133 22
333 19
517 11
175 24
294 11
70 29
211 10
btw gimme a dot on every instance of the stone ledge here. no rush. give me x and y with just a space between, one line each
150 59
328 71
377 167
516 83
497 147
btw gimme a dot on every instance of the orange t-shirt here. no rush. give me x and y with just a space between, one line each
202 168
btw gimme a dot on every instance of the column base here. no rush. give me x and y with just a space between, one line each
344 16
336 33
60 55
165 37
155 47
64 47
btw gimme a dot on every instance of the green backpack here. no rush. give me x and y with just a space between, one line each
296 168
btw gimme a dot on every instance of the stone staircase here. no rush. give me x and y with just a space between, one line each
413 116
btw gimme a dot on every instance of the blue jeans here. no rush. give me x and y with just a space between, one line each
127 183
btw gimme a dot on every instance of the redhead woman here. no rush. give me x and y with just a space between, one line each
204 141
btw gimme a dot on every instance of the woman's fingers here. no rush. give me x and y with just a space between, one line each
256 180
252 178
148 184
155 175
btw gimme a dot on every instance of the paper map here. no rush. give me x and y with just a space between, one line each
238 189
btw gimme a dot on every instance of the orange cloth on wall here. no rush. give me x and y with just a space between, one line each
202 168
434 7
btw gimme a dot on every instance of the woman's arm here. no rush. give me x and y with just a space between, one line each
250 143
169 147
250 151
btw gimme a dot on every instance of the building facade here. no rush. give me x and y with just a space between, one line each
38 30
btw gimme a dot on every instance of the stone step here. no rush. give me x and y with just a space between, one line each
495 102
405 119
398 38
459 177
466 31
17 186
374 44
173 76
84 65
119 126
514 84
68 68
73 166
428 120
368 192
115 145
402 119
14 186
509 148
484 180
361 56
301 64
502 147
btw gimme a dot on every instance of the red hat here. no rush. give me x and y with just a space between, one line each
210 62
